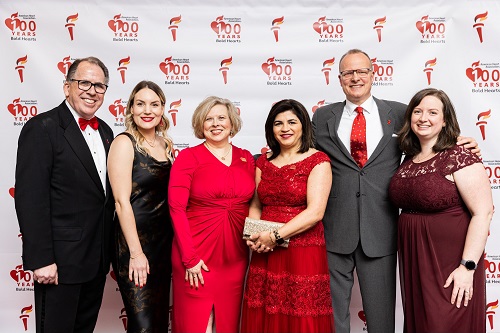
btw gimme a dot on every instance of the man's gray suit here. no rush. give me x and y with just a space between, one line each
360 216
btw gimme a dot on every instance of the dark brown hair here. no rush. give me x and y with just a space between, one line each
300 111
447 138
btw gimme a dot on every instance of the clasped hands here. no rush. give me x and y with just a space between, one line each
262 242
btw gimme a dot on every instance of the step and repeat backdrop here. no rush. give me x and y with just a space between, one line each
253 53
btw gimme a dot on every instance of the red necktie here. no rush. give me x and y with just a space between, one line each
358 138
92 122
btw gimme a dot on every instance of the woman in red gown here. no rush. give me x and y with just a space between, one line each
447 206
210 189
288 289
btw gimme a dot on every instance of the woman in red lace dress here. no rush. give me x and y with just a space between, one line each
447 206
210 189
287 289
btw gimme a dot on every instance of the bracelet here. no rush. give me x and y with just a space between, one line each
271 238
279 240
137 256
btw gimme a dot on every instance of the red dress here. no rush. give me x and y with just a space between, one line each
431 237
208 204
288 290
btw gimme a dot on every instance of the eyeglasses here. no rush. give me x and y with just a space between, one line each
84 85
362 72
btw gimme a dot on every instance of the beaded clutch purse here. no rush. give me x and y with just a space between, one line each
253 226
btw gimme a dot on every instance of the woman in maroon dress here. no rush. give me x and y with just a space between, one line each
447 206
288 289
210 189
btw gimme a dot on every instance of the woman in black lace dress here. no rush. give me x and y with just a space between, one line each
447 206
139 166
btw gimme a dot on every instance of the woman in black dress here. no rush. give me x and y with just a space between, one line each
139 164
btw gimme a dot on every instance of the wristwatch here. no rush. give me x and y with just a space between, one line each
469 264
279 240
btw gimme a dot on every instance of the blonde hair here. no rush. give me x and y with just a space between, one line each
204 108
160 129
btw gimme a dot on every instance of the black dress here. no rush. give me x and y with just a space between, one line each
147 307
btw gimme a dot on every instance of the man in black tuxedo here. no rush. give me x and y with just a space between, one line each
64 202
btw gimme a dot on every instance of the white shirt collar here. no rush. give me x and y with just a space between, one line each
368 106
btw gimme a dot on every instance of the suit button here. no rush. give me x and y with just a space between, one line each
357 194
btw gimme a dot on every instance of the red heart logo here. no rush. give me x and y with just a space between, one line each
163 68
317 27
469 72
13 274
265 68
112 25
9 23
11 191
112 109
420 26
215 26
12 109
62 67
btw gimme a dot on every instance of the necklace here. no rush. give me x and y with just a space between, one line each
152 145
424 158
213 152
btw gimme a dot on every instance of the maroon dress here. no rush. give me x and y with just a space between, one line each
431 236
288 289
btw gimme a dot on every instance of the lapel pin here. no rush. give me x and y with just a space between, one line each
388 122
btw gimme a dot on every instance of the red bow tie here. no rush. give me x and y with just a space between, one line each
92 122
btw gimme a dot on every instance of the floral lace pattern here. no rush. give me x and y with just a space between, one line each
412 179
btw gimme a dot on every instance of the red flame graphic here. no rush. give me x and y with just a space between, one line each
226 62
27 309
220 18
484 115
175 104
380 20
329 62
22 60
425 18
175 20
124 61
481 17
72 18
116 17
431 62
278 20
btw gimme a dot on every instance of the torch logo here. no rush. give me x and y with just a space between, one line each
481 122
318 105
428 69
224 67
432 30
117 109
379 25
227 29
174 21
70 25
276 27
327 68
174 108
20 67
329 30
176 70
124 28
123 317
490 307
22 110
25 315
22 27
278 71
362 316
63 65
478 24
122 67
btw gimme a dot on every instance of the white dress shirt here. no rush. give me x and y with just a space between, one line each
96 147
374 130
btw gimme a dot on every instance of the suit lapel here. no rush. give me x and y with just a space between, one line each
385 113
77 142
